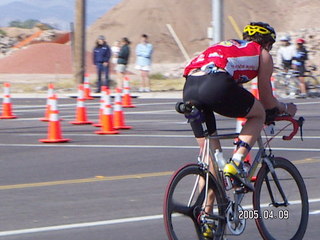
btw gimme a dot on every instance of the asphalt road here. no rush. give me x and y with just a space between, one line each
106 187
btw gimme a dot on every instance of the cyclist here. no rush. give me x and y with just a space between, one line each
285 53
299 62
214 84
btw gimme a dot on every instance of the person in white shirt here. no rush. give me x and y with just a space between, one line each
115 49
144 52
286 53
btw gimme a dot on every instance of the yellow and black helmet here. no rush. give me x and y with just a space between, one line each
260 32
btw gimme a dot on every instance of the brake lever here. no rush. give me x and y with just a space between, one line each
296 124
300 122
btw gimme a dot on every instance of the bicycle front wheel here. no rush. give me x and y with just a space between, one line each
184 203
286 87
281 201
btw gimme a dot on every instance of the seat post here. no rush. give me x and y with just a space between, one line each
205 129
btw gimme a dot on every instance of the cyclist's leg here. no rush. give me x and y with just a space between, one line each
193 91
214 144
238 102
299 81
302 84
210 121
252 128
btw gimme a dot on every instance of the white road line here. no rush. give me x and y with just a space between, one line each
153 104
66 105
102 223
79 225
142 146
307 103
147 135
315 212
116 135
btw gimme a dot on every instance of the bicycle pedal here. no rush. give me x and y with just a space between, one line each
207 231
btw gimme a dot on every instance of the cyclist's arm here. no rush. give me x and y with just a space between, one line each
265 89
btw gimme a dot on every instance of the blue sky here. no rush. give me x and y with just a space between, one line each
58 13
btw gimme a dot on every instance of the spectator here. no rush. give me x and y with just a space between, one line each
143 62
115 52
285 53
101 57
123 59
299 62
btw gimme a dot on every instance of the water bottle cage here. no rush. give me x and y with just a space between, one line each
239 143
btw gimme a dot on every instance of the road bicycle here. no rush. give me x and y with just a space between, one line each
287 83
280 205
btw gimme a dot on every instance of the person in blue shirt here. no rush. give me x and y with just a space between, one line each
301 55
101 58
144 52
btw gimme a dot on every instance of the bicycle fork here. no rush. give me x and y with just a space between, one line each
276 181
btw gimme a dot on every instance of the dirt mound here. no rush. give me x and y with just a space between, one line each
190 19
42 58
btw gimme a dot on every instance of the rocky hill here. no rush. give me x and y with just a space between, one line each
190 19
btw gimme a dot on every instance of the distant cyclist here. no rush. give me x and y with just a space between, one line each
301 55
214 84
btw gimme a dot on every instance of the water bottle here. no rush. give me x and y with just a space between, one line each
228 183
220 159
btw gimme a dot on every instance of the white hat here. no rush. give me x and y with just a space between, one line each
286 38
101 37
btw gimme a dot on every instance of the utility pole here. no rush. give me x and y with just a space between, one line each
79 41
217 21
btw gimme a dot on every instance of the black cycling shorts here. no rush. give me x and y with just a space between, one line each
216 92
286 64
301 69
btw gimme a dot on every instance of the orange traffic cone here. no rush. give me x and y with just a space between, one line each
54 129
254 88
104 98
274 90
118 116
126 99
240 123
48 107
6 105
81 112
107 118
87 90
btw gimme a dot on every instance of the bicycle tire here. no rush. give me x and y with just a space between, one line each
286 88
282 222
312 82
176 212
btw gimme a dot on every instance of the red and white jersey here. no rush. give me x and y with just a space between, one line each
239 58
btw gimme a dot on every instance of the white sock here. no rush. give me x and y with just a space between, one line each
237 158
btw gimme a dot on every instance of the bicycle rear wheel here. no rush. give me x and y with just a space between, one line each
311 81
183 205
279 218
